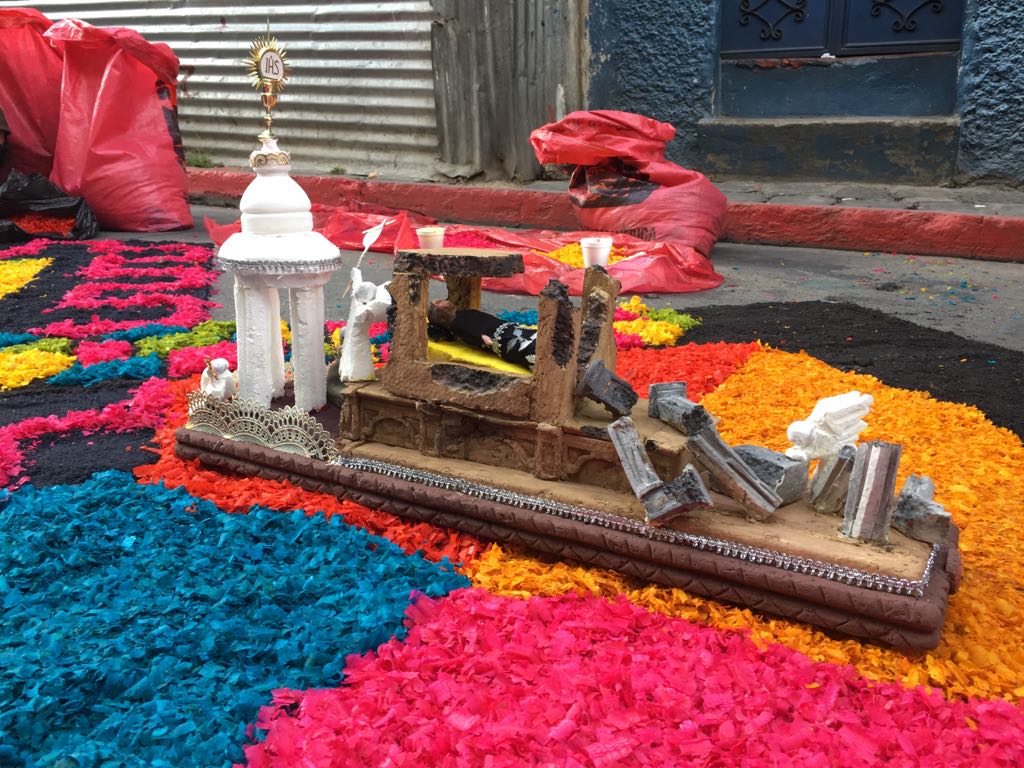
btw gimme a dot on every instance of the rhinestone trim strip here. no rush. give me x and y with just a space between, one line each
830 571
283 267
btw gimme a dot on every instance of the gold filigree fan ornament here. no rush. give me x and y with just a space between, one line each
269 71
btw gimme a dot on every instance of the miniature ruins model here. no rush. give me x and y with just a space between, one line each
568 460
565 459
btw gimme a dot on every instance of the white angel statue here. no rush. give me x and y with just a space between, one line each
834 422
369 304
217 380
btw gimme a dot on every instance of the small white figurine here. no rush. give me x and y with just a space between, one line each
834 422
369 304
217 381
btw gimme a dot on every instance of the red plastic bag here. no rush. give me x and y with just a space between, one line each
344 225
118 144
651 267
30 71
623 183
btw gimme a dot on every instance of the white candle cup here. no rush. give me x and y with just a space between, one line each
596 251
431 237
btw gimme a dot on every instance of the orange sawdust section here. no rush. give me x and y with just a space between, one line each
978 469
239 494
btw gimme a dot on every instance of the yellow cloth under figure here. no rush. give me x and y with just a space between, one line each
457 352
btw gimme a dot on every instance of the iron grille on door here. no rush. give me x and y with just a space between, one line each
783 28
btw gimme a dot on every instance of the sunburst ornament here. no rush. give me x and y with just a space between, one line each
269 71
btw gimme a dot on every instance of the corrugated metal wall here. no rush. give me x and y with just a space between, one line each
361 97
503 68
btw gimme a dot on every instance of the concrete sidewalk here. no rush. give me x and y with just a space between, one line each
979 300
971 222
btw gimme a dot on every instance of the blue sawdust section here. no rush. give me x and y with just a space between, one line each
134 368
144 627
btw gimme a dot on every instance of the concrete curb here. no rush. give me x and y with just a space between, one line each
924 233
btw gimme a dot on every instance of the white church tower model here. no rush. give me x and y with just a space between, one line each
277 249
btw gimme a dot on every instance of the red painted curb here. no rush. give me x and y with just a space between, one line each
468 204
925 233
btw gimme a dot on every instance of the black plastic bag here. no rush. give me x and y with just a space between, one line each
34 193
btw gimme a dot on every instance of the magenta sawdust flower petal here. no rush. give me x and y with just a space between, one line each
184 309
190 360
488 680
92 352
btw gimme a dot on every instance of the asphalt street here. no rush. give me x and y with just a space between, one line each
979 300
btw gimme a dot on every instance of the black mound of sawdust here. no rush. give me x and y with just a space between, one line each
896 351
73 457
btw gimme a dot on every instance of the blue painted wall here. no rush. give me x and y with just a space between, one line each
991 97
658 58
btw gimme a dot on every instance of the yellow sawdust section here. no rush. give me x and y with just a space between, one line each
978 469
17 273
462 353
20 368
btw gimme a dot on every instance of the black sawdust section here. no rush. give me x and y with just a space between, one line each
900 353
74 456
27 307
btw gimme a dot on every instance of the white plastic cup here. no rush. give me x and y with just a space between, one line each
596 251
431 237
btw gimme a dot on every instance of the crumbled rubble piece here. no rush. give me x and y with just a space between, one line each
831 481
604 387
677 497
658 391
870 501
662 501
787 477
728 473
834 422
917 515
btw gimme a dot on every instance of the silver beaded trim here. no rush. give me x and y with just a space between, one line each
279 267
830 571
288 429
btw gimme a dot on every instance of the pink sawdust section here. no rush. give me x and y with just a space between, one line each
569 681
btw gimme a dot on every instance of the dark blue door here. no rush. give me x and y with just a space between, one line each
785 28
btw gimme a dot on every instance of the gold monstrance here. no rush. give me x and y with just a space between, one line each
269 71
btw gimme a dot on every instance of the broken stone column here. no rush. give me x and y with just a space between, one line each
787 477
662 501
604 387
554 372
917 515
597 313
831 481
870 501
656 392
728 472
